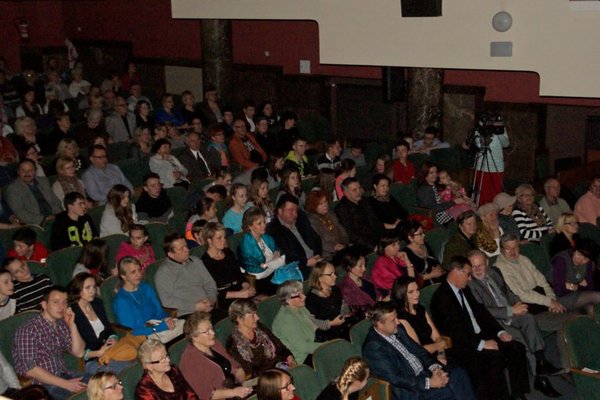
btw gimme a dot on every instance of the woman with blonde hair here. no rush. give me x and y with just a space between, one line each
119 213
67 180
104 386
567 233
352 379
68 147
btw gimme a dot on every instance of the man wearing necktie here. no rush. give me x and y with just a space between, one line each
193 159
480 344
488 288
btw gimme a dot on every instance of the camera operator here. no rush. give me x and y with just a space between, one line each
487 142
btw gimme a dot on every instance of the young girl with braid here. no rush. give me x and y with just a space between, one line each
353 378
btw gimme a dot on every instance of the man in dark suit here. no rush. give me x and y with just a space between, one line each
479 342
294 236
193 160
490 290
413 373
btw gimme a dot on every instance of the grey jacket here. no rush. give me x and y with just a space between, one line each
23 203
116 127
482 294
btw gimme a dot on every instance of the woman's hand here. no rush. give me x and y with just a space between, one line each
337 321
291 361
339 246
240 391
170 323
436 272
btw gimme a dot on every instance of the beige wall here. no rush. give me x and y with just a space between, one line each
548 37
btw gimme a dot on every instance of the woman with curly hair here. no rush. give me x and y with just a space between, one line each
119 213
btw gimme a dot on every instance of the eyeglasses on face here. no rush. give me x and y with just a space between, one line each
163 358
297 296
288 385
329 274
113 386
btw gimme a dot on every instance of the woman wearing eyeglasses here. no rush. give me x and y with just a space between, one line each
105 386
420 254
276 384
208 368
160 381
567 233
325 303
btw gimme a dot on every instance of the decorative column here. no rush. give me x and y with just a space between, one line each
425 99
217 56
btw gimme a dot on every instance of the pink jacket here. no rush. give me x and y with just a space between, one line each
386 270
145 255
587 208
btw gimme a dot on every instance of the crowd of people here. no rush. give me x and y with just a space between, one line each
299 212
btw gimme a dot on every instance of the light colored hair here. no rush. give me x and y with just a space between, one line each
191 324
210 230
315 274
62 161
522 188
62 146
96 384
562 219
241 307
19 122
355 369
288 289
146 350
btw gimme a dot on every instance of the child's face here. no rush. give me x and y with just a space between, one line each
240 197
444 178
137 238
263 190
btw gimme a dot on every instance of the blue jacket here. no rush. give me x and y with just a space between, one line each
250 254
133 309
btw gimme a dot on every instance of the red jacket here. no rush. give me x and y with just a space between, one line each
241 155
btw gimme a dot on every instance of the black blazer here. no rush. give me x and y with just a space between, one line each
451 320
290 246
92 342
361 224
196 168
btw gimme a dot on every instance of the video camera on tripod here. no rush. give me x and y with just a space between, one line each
488 125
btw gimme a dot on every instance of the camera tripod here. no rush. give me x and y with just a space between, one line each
484 160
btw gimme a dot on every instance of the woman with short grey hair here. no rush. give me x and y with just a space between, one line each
252 344
293 324
531 219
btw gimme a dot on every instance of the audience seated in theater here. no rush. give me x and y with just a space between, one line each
488 288
391 264
291 183
531 219
67 180
217 153
257 250
143 115
121 123
93 326
227 122
355 153
188 110
551 203
265 109
386 208
489 231
479 343
154 204
223 178
244 148
8 152
169 169
412 372
356 217
324 301
252 344
161 380
72 227
26 247
101 176
196 234
8 305
29 106
29 151
28 287
428 194
119 213
276 384
40 342
92 127
258 194
25 133
135 97
238 203
415 319
505 204
49 142
294 325
206 209
573 276
463 240
331 158
136 302
404 169
420 254
194 160
30 197
205 364
248 112
294 236
587 207
196 292
325 181
352 379
168 113
451 190
94 260
297 157
567 228
138 246
141 148
325 223
130 78
358 291
383 165
212 110
347 169
54 83
104 386
224 268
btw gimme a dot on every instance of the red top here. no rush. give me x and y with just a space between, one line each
403 173
40 253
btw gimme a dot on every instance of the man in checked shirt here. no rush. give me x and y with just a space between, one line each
40 342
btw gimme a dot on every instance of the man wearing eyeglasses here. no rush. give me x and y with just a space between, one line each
40 342
121 123
101 176
480 345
